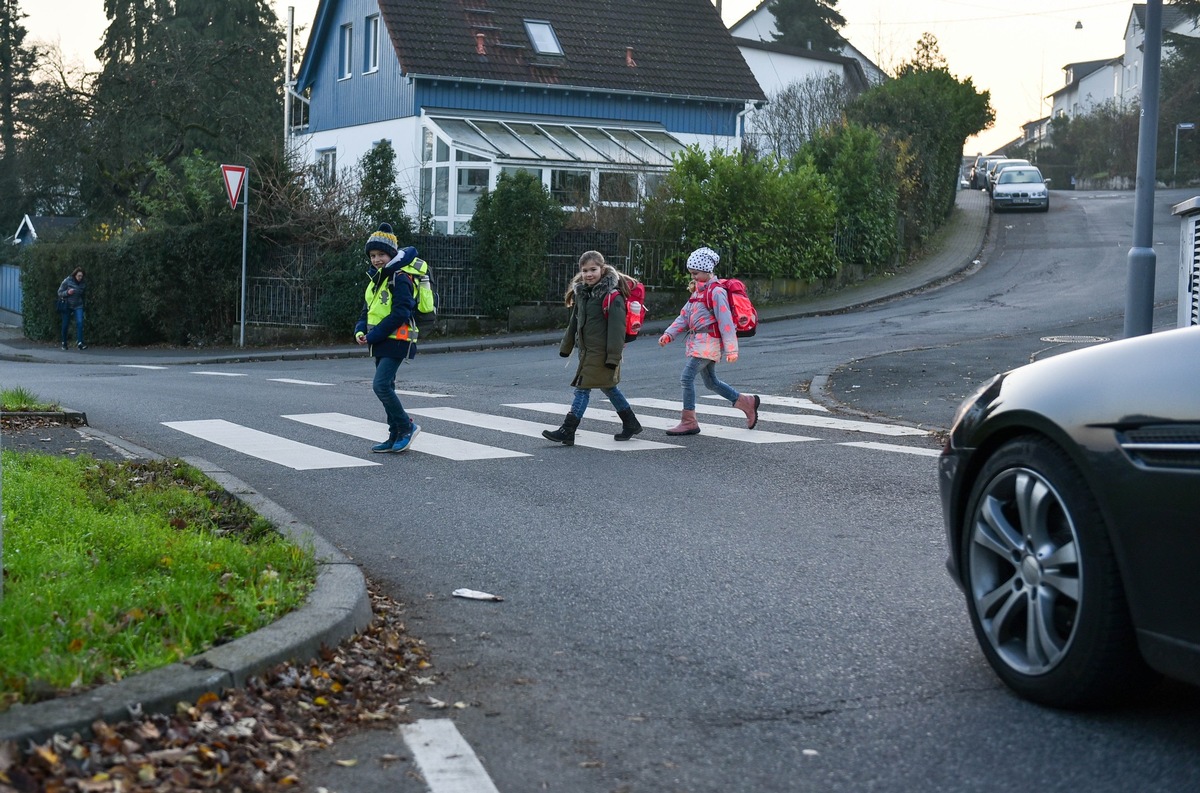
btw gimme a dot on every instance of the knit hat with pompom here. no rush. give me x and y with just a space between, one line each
383 240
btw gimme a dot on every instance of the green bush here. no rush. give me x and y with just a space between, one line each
343 282
178 285
513 227
765 219
862 175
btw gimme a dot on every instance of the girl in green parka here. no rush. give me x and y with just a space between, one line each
599 335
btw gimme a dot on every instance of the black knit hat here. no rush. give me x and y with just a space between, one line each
383 240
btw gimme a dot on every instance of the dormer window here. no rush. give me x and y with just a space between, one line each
541 35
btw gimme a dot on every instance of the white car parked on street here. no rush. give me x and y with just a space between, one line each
1021 187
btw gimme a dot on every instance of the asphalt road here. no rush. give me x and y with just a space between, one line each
716 615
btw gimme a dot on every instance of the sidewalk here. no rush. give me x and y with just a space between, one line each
338 606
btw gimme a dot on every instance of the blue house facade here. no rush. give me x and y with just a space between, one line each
593 97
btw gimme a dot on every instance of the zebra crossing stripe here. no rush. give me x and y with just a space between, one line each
426 442
221 374
530 429
780 401
654 422
828 422
295 382
139 366
264 446
893 447
429 394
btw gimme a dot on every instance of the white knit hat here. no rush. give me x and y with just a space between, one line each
703 259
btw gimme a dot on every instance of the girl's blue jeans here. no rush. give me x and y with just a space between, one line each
384 387
582 395
66 323
708 370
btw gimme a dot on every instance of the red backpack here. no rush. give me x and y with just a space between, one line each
635 308
745 316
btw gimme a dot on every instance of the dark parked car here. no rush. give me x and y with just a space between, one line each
979 172
1071 494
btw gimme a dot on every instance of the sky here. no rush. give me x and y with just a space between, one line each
1016 50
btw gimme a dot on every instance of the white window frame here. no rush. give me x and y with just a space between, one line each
346 51
327 165
371 44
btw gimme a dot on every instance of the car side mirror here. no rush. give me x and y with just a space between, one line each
1047 181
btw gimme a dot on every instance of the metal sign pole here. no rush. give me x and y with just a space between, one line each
245 230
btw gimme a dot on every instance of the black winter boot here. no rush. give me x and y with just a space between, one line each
629 425
564 434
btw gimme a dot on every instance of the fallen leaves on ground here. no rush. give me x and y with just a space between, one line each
242 740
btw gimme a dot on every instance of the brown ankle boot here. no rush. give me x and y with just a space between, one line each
748 404
687 424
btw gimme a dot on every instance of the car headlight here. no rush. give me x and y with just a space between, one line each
974 407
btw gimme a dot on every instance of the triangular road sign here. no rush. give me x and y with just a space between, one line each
234 175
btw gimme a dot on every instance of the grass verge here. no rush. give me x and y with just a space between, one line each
111 569
20 399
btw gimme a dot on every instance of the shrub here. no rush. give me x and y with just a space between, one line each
764 218
513 227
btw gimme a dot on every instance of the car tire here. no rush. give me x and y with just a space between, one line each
1042 586
995 207
1045 208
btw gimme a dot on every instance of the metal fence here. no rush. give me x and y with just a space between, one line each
291 288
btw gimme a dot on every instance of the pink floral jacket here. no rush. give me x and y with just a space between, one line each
699 323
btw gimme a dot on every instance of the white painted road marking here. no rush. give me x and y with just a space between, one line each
221 374
893 447
802 420
445 759
139 366
264 446
780 401
295 382
593 440
654 422
423 394
426 442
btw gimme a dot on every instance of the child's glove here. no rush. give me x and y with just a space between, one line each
664 340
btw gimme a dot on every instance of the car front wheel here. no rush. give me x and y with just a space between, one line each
1042 586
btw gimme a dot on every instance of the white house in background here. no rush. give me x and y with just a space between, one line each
1089 84
1173 21
1034 133
775 66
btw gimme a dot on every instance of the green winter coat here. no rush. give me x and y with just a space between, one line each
600 339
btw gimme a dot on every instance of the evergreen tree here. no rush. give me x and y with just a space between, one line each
381 199
809 24
16 67
180 76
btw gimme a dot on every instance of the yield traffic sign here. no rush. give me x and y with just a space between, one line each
235 177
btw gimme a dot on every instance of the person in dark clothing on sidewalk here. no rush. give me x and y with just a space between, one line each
386 325
70 295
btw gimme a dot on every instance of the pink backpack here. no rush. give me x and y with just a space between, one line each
635 308
745 316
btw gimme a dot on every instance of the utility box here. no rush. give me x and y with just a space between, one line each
1189 261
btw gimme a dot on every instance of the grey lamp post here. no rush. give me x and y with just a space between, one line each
1139 287
1185 125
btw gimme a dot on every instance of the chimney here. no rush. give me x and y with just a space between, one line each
629 61
480 47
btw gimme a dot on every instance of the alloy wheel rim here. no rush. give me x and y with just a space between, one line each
1026 579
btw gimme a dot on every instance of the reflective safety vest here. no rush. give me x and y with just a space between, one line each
379 307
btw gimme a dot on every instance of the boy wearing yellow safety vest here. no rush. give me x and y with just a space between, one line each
386 325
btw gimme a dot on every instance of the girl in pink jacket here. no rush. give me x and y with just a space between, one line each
708 331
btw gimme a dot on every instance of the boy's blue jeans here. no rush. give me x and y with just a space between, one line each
708 370
384 387
583 395
66 323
